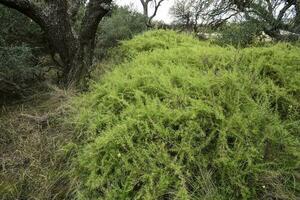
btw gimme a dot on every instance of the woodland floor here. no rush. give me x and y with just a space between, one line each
31 134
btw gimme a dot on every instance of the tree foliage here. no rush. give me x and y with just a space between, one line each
190 13
271 15
21 41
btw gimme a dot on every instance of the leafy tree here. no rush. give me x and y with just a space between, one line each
272 15
189 13
55 18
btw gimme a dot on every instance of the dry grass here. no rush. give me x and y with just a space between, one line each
31 136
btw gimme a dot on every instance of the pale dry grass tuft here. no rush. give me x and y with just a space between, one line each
31 135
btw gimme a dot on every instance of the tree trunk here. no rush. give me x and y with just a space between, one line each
75 50
59 34
145 4
83 59
274 33
145 10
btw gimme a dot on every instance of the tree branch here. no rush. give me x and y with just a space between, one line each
27 8
283 10
95 11
74 8
156 6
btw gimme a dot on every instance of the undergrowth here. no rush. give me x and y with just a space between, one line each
183 119
176 118
32 135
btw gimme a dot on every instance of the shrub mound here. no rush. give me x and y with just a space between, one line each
183 119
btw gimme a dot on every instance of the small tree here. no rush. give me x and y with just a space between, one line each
56 18
190 12
146 7
272 15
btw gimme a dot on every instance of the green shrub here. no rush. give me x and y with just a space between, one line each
239 35
17 63
17 29
20 46
155 40
183 119
145 42
18 69
123 24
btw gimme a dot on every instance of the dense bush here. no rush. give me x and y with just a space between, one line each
239 35
184 119
123 24
17 29
17 68
20 45
17 63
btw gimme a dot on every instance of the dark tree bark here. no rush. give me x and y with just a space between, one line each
55 18
146 6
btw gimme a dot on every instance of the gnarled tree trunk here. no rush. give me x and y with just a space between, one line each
55 18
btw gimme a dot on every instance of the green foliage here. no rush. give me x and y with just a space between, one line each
17 63
123 24
18 71
20 42
183 119
239 35
155 40
17 29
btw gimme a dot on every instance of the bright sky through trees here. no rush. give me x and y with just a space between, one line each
162 14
